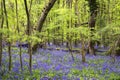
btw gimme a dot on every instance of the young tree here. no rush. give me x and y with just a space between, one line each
9 43
28 33
17 20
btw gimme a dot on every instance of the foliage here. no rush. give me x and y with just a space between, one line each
64 23
97 67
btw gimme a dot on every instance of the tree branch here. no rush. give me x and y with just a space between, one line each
44 14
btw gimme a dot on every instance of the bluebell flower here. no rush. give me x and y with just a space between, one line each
92 65
54 78
16 77
15 69
45 78
16 64
96 46
58 67
104 68
39 64
77 79
79 67
46 66
64 78
34 79
66 69
85 64
93 79
34 66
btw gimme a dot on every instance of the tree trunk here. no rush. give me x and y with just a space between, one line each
83 52
44 14
118 46
20 54
77 21
28 33
1 34
9 43
42 19
91 47
114 49
0 49
10 56
70 48
92 20
69 23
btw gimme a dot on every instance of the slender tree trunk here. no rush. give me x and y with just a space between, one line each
42 19
77 21
83 51
48 37
0 49
117 52
56 41
114 50
20 48
70 49
28 33
1 33
30 5
92 20
9 43
69 23
63 5
10 56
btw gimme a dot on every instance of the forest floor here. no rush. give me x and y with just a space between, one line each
57 64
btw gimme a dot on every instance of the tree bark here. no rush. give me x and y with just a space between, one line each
118 46
20 53
92 20
43 16
9 43
77 21
1 34
69 25
83 52
28 33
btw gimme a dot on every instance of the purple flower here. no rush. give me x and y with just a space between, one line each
85 64
92 65
15 69
46 66
79 67
64 78
58 67
16 77
77 79
93 79
34 66
45 78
